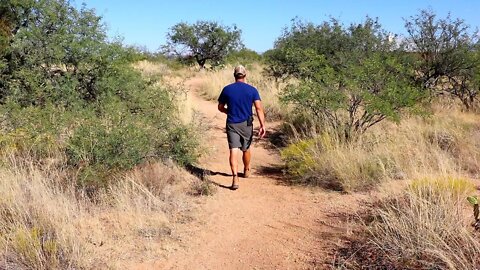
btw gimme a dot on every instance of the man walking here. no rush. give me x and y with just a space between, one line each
236 100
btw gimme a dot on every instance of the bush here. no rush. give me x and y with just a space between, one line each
299 157
107 148
35 132
431 188
445 143
75 113
244 57
447 56
325 162
68 92
113 135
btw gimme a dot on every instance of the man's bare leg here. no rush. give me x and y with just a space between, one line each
234 167
233 161
246 163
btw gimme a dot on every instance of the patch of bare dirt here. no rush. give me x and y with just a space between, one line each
262 225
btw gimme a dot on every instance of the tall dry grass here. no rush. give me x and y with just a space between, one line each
424 226
214 81
446 143
428 226
45 223
150 69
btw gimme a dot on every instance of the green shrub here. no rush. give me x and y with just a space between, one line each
72 99
432 188
244 57
111 135
69 92
114 145
34 131
299 158
447 56
324 161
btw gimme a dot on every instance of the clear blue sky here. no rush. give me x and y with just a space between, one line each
146 22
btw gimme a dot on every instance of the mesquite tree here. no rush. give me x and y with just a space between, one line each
203 41
447 56
350 77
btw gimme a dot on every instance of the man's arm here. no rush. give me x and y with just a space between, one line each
261 118
221 108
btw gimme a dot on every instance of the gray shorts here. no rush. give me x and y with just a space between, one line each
239 135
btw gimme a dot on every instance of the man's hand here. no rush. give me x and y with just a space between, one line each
261 132
261 117
221 108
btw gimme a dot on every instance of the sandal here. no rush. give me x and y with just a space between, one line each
234 183
246 173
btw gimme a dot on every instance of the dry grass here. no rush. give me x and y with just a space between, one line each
424 226
445 143
150 69
46 224
214 81
428 227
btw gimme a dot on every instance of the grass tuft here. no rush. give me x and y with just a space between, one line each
444 144
46 223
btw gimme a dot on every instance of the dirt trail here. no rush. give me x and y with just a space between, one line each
262 225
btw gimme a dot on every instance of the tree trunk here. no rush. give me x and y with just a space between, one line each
201 63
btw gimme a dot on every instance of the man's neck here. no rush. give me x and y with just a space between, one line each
240 80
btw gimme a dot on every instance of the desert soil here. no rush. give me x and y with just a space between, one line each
265 224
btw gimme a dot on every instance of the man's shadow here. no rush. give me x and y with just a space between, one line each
203 174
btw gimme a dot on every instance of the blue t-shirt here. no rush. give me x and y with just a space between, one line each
239 97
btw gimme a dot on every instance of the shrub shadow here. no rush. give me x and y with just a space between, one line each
203 174
273 171
273 140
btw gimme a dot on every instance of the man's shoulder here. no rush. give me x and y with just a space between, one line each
247 85
251 86
239 88
243 85
251 89
229 86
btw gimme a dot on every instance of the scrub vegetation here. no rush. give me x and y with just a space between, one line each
361 108
90 150
95 135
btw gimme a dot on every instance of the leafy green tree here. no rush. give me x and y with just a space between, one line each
349 77
327 39
61 55
203 41
14 14
445 51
